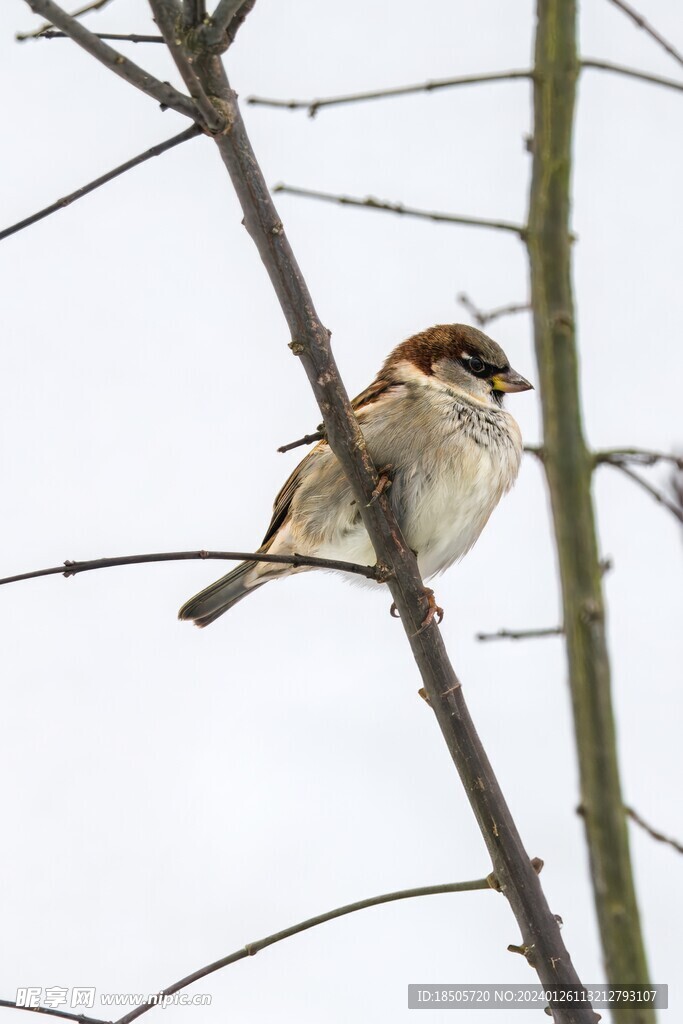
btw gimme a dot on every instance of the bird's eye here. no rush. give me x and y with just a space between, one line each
477 365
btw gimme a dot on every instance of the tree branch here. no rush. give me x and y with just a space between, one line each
369 203
640 21
219 32
162 92
521 634
658 496
643 76
252 948
639 456
69 568
168 18
310 341
96 6
313 106
49 34
659 836
484 317
306 439
568 466
84 190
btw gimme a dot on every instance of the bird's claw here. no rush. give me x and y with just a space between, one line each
433 611
383 484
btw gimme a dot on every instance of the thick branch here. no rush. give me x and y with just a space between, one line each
568 467
115 61
313 106
70 568
85 190
310 341
369 203
640 21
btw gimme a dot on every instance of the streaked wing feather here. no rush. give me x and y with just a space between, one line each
284 499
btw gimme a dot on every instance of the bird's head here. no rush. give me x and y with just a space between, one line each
463 358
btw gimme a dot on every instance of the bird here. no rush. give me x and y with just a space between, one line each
434 418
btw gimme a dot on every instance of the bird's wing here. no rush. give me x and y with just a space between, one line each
284 499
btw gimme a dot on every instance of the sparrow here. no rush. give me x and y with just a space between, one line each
434 418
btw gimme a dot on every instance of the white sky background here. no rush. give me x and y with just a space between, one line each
170 794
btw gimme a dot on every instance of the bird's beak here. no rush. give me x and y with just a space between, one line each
511 381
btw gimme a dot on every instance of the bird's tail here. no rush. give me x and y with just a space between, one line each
208 604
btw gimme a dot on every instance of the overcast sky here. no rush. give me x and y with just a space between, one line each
170 794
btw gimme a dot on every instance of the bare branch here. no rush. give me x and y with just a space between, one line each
84 190
640 21
313 106
49 34
640 456
484 317
162 92
643 76
659 836
96 6
48 1011
521 634
166 15
69 568
252 948
658 496
369 203
567 465
306 439
219 31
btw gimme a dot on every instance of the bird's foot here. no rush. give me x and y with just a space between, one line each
433 611
383 484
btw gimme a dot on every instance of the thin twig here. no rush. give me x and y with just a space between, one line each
48 1011
84 190
521 634
50 34
658 496
96 6
640 456
370 203
162 92
252 948
484 317
659 836
640 21
306 439
643 76
313 106
70 568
